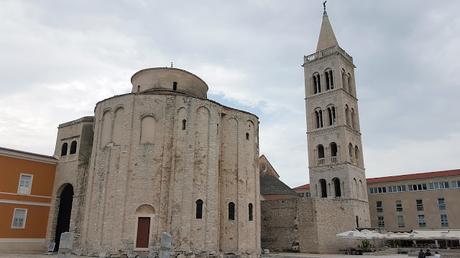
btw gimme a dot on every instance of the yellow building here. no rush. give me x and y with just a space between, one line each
26 183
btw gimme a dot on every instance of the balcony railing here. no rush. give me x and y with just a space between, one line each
334 159
321 161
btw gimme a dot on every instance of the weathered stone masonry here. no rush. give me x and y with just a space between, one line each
167 155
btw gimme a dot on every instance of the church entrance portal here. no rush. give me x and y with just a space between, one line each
65 209
143 232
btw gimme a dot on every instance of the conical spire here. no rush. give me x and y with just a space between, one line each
326 36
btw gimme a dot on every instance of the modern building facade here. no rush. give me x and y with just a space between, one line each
162 158
26 184
415 201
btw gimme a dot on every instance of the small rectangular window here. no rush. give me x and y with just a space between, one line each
444 221
421 221
19 218
381 221
379 206
419 205
25 184
399 205
441 204
401 221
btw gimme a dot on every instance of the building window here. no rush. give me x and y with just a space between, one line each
333 147
73 147
357 154
319 118
174 86
421 221
441 204
64 149
19 218
25 184
320 149
250 212
199 209
329 79
347 115
337 190
379 206
331 115
247 136
231 211
381 222
323 185
350 151
401 221
316 83
352 114
399 206
444 221
184 124
419 205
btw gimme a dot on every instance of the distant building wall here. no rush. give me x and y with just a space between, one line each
26 183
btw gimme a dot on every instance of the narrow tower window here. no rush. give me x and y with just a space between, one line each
184 124
64 149
231 211
323 185
329 79
250 211
333 147
247 136
320 151
350 151
352 118
199 209
73 147
357 154
174 86
316 83
347 115
338 192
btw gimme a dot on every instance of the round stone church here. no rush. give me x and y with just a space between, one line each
162 158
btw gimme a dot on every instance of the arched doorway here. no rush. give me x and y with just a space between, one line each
144 214
65 209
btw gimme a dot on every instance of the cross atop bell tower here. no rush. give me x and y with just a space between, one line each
334 139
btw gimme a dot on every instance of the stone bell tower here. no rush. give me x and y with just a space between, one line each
335 152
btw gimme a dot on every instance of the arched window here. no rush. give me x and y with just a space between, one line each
231 211
333 147
361 188
357 154
329 79
320 149
344 80
73 147
323 185
199 209
316 83
331 115
174 86
64 149
148 124
352 118
250 212
337 190
319 118
350 151
347 115
184 124
350 86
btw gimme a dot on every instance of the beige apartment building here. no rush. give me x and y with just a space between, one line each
415 201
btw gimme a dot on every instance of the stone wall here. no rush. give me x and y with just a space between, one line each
169 151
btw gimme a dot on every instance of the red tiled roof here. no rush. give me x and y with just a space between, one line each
302 187
453 172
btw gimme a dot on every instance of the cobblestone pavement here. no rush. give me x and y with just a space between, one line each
280 255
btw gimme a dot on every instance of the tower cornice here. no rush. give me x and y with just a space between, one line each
334 50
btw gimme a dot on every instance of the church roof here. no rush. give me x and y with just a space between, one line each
270 185
326 36
415 176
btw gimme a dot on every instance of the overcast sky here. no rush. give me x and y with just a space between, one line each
58 58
